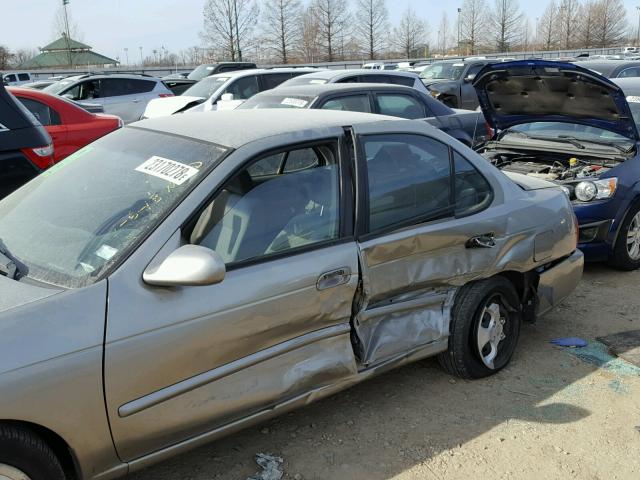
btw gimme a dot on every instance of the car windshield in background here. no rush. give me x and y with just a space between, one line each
205 87
59 86
443 71
66 229
304 80
201 72
634 104
573 131
277 101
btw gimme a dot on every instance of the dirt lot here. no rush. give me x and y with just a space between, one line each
549 415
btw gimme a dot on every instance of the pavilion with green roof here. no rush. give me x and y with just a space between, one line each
67 53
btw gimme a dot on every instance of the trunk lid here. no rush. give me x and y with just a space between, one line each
527 91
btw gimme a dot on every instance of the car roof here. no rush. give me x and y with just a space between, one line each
112 75
259 71
606 66
235 128
629 85
319 89
331 74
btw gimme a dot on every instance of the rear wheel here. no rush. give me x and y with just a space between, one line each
25 456
484 330
626 251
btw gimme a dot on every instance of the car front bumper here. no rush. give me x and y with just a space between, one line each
557 282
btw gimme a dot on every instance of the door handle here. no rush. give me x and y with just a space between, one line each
333 278
135 100
486 240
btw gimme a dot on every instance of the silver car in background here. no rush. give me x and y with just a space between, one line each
232 266
124 95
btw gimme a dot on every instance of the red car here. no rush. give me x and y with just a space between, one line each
70 126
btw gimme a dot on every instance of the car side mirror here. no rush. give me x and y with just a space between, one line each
470 78
189 265
227 97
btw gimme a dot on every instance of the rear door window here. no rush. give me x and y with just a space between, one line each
349 103
243 88
117 87
272 80
399 105
400 80
352 79
45 115
409 180
23 77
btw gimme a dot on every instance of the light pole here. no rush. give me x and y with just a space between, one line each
141 61
126 55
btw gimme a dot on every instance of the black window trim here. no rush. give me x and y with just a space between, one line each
362 231
54 116
345 201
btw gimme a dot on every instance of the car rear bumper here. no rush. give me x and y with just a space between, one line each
557 282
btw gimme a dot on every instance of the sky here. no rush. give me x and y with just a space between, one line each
110 26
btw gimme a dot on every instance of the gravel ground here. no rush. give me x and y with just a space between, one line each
550 414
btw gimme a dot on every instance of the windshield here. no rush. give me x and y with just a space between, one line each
59 86
565 130
277 101
206 87
201 72
443 71
69 225
304 80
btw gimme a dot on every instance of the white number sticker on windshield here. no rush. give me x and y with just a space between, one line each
294 102
169 170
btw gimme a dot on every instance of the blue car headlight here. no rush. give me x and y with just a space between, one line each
589 190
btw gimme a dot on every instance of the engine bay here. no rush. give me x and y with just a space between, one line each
549 166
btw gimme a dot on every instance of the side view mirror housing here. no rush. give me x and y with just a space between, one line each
189 265
470 78
227 97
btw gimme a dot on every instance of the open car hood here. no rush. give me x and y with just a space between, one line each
527 91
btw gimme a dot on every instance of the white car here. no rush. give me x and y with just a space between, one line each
124 95
235 86
14 79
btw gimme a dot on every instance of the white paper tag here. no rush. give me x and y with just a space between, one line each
106 252
294 102
169 170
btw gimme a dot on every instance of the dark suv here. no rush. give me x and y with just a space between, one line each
25 146
450 81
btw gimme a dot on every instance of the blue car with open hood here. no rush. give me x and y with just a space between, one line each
569 125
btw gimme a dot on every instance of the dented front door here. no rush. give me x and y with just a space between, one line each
414 252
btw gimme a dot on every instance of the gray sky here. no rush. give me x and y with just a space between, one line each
111 25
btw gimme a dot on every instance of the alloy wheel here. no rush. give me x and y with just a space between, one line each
7 472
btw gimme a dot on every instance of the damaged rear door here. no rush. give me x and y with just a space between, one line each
425 227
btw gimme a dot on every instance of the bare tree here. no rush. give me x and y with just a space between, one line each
473 23
444 34
281 26
59 28
569 12
372 23
506 23
332 17
411 33
547 27
610 23
5 57
24 54
586 24
310 36
229 24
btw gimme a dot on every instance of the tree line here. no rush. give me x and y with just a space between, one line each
290 31
311 31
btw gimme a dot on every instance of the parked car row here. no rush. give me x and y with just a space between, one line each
347 240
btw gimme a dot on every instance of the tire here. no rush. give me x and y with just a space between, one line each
25 456
624 256
474 319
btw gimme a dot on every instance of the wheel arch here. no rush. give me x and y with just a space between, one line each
59 445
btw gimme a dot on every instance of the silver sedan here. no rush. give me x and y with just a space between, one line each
189 276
